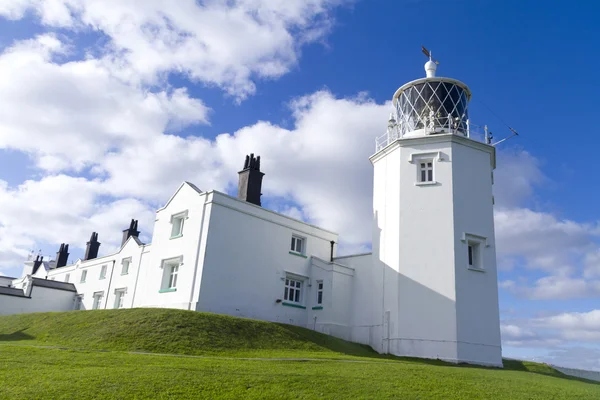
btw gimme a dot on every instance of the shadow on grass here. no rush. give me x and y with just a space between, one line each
15 336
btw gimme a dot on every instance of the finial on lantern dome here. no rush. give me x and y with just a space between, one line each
431 65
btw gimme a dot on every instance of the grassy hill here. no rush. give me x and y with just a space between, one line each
88 354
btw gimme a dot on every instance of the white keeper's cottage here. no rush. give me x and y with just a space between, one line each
428 289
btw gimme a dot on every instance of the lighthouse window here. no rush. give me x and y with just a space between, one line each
425 171
474 255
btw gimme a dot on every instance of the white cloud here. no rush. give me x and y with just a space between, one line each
516 177
74 112
61 208
552 330
574 321
228 44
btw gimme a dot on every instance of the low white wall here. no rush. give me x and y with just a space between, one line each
5 281
42 300
579 373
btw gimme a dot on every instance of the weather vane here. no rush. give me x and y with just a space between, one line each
428 54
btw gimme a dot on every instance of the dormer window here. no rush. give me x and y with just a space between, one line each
177 221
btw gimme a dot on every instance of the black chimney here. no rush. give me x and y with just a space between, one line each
62 255
36 264
91 250
250 182
132 231
331 256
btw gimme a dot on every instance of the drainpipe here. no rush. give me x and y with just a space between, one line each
331 257
199 248
137 276
109 282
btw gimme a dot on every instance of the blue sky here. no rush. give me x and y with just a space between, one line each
100 125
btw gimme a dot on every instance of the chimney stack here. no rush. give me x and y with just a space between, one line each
36 264
132 231
62 255
250 183
91 250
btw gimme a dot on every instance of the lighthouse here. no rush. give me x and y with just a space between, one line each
433 226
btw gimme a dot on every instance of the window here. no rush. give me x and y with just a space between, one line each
319 292
293 290
78 301
474 255
103 272
83 276
298 244
119 296
177 224
470 255
425 171
97 300
67 276
125 266
174 269
170 274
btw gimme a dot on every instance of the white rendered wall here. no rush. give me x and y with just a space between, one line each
5 281
112 281
415 240
579 373
413 235
149 294
334 315
42 300
477 312
247 258
366 300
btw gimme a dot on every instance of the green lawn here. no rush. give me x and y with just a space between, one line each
28 371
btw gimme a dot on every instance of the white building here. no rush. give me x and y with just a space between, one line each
428 289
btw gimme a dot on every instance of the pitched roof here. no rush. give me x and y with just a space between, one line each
194 187
177 191
53 284
12 291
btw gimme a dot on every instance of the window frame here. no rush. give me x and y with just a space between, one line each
78 302
99 296
171 268
103 270
297 288
294 244
123 263
83 276
425 171
320 287
183 215
67 277
475 245
427 157
119 298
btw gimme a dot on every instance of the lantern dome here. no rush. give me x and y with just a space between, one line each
432 105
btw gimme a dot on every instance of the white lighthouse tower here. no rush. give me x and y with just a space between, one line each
434 227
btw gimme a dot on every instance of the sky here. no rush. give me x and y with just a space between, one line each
105 110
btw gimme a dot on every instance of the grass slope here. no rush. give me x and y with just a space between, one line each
79 370
174 332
